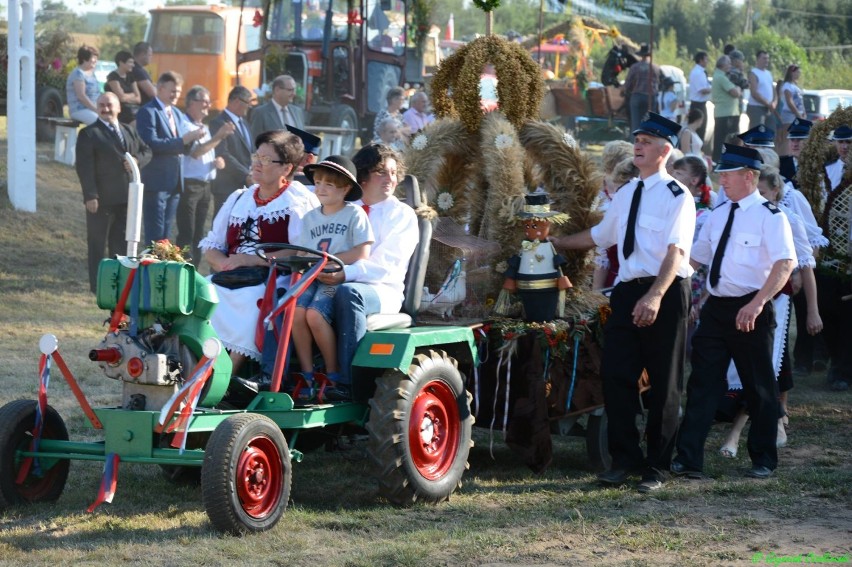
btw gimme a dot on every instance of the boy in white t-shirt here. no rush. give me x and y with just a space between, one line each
339 228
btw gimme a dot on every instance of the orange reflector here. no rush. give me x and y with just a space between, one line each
380 348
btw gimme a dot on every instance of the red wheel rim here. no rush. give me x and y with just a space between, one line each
34 488
259 477
433 430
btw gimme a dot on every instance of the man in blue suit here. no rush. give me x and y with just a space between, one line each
160 125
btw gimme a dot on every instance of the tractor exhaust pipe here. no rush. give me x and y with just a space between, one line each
133 233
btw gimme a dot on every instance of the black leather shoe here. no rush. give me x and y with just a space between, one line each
257 383
613 477
678 469
760 472
337 393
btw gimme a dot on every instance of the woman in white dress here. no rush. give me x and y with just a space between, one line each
271 210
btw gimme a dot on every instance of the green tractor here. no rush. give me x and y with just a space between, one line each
176 411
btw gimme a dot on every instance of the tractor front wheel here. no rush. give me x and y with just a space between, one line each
46 478
246 476
420 430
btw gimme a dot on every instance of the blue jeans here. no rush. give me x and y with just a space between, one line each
320 298
352 303
158 212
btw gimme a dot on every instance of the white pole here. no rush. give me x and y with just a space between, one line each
133 234
21 106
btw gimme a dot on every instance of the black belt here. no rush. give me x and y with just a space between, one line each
196 182
649 280
733 299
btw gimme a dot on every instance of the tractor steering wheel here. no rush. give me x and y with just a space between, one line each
299 263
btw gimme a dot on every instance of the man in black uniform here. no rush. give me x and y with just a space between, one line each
652 219
748 244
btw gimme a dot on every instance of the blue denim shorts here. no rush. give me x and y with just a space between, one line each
320 298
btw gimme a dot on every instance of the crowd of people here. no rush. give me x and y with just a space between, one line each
692 269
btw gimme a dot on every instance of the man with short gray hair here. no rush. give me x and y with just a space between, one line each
280 111
416 116
652 219
199 170
726 100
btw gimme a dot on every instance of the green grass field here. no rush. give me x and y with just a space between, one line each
503 515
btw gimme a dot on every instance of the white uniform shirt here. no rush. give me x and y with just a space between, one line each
698 81
835 173
396 236
798 203
759 238
666 216
803 248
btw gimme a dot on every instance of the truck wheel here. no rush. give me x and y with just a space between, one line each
246 476
48 104
597 446
420 430
17 420
343 116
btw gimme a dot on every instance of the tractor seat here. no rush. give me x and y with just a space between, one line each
416 274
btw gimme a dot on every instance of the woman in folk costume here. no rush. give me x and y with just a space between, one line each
536 272
271 210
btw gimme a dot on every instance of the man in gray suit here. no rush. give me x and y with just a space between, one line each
280 111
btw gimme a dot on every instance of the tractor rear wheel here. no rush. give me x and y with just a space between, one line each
420 430
246 476
45 482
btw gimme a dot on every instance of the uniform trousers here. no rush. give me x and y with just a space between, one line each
837 322
105 231
661 350
192 216
724 125
715 343
808 348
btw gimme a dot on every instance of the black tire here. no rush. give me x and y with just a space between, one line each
597 445
48 104
430 400
343 116
17 420
246 476
178 474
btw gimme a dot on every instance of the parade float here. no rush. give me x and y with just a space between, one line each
475 169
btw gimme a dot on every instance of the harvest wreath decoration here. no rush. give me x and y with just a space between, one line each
814 155
520 87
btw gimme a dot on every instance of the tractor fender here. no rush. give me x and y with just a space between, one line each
395 348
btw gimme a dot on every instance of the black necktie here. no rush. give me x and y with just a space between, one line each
630 235
716 267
